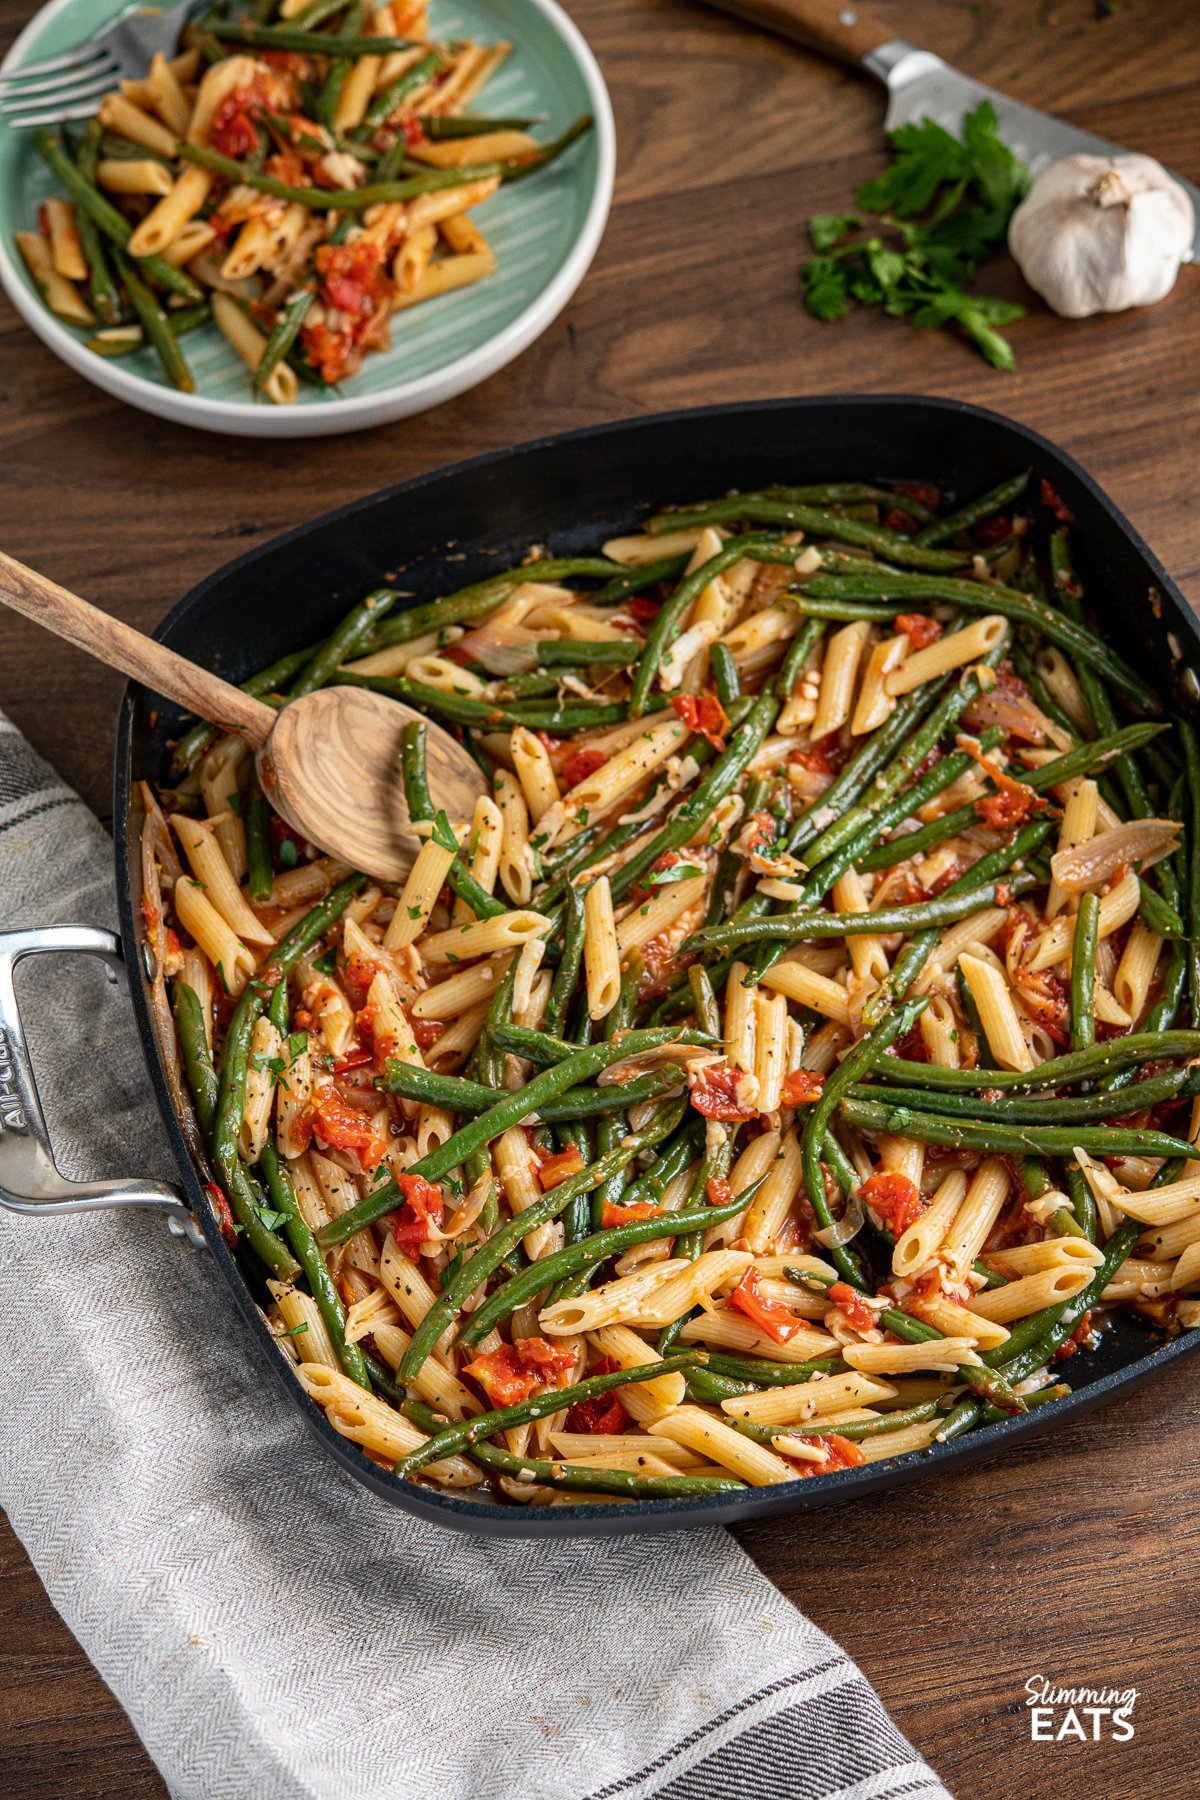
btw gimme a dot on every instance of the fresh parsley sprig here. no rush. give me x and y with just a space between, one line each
939 208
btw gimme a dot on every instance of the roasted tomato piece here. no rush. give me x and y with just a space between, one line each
778 1321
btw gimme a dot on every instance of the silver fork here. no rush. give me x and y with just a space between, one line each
71 85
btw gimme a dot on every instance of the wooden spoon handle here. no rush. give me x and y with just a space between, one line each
121 647
843 30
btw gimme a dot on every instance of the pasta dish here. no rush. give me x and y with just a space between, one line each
790 1065
297 183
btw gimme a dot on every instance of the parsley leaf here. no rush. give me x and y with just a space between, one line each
289 856
943 206
327 964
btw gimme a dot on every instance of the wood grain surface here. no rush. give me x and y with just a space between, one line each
1075 1557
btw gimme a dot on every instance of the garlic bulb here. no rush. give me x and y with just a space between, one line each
1100 233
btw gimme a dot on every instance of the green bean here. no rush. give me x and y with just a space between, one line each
1005 1139
582 1479
1191 750
467 1432
308 43
510 1110
566 653
721 778
377 193
102 289
567 973
987 597
760 1372
938 530
347 639
855 1065
1061 1071
154 324
304 1244
704 1001
1083 973
725 674
809 924
756 547
637 579
465 709
820 522
993 1415
112 223
459 125
1049 1110
389 98
258 848
597 1248
852 781
461 1095
283 334
238 1185
126 340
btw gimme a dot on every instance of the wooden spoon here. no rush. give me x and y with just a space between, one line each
329 762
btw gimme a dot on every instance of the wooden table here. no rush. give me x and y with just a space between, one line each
1073 1559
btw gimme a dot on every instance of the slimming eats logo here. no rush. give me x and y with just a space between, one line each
1081 1715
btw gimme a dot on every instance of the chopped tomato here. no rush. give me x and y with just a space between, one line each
340 1126
223 1210
286 62
992 531
842 1453
1077 1340
580 764
424 1205
233 131
615 1214
287 165
761 834
512 1372
560 1167
643 609
549 744
895 1198
923 492
1014 801
351 275
357 973
1058 506
639 890
602 1413
815 759
1044 995
426 1032
703 713
718 1191
919 629
778 1321
801 1087
894 519
353 1059
715 1093
852 1303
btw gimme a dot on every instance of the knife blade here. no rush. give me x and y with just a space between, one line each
922 86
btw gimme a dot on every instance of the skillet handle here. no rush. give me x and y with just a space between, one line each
30 1182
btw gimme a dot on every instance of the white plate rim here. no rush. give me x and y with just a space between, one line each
248 419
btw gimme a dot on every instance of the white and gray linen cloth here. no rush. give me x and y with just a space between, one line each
271 1628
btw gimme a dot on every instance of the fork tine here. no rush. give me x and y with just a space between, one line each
70 59
79 104
67 78
57 116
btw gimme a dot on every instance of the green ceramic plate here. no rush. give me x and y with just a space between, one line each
544 231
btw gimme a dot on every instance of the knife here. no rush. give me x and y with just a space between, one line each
922 86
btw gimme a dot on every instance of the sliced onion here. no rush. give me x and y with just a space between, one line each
619 1074
1015 713
845 1228
1139 842
503 649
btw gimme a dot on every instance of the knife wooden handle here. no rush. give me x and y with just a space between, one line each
841 30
